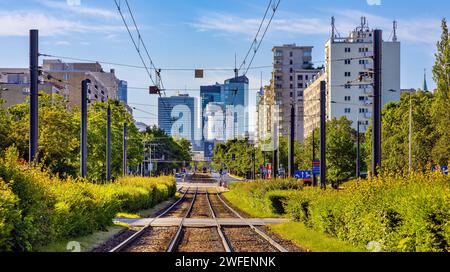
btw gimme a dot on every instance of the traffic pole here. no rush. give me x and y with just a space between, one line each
358 151
291 143
108 143
376 134
84 106
34 103
323 131
125 164
313 158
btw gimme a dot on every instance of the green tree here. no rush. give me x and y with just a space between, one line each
5 127
441 105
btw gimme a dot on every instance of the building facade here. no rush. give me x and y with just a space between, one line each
292 68
123 91
15 86
348 67
103 85
178 117
235 96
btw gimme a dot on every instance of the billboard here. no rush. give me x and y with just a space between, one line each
209 149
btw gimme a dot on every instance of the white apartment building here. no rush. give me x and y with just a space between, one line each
292 69
346 60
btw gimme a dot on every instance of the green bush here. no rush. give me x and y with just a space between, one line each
276 200
400 213
9 215
37 208
251 196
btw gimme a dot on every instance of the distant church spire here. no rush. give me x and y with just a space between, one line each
425 86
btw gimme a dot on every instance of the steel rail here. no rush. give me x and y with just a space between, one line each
260 233
176 238
133 237
219 227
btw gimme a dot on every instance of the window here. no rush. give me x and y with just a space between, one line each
66 77
291 54
306 85
291 94
291 62
291 86
300 85
347 61
347 86
300 93
306 77
291 70
347 98
363 110
362 98
347 50
278 53
291 78
347 110
348 74
300 77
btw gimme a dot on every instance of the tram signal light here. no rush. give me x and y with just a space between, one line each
154 90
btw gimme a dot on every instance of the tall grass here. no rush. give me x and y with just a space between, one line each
37 208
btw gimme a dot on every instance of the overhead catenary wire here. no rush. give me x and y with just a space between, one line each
134 42
264 34
254 41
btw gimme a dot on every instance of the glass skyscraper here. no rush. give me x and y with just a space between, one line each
177 116
123 91
235 94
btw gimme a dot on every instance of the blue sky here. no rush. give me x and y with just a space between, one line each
208 33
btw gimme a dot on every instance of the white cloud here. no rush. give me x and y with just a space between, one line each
417 30
62 43
231 24
18 23
80 9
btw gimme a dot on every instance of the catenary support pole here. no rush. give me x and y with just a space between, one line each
313 158
108 143
358 151
323 133
125 163
376 134
84 106
291 163
34 103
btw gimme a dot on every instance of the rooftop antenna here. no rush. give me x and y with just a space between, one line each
394 39
333 27
236 71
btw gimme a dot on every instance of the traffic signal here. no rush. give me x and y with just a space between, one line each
154 90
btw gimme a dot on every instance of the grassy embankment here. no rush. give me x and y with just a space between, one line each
390 213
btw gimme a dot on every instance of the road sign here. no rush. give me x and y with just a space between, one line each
316 168
302 174
444 169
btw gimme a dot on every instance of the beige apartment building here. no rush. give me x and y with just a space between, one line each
103 85
292 70
15 86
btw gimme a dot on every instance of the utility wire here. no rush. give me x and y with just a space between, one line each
143 44
256 36
264 34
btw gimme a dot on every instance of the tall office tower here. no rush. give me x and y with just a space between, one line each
292 69
178 117
235 98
